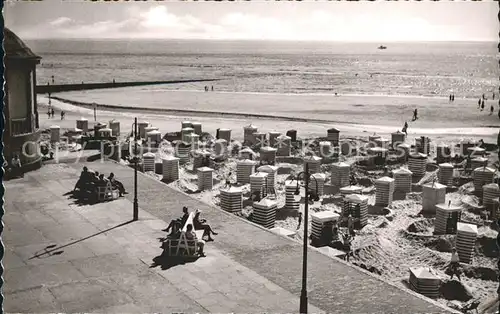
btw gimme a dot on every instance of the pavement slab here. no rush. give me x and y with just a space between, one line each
92 258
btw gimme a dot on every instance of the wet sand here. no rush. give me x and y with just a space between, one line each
367 110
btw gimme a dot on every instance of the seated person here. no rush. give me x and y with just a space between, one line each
85 178
15 167
116 184
200 224
102 181
191 236
176 224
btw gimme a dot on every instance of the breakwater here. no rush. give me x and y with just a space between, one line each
45 89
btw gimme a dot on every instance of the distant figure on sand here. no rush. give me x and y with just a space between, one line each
206 88
454 264
405 128
62 114
491 110
479 103
52 112
212 88
452 97
482 105
415 114
347 247
300 216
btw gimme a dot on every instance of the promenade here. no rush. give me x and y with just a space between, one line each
65 257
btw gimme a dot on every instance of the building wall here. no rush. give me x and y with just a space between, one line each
18 97
21 135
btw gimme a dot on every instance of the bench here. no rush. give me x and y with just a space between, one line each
182 245
106 193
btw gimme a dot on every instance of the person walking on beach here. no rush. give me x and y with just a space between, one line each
212 88
62 114
452 97
415 114
405 128
48 113
53 112
482 105
454 264
449 98
479 103
491 110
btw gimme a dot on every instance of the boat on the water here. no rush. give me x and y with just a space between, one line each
382 47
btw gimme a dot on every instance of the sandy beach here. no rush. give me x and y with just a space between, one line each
352 115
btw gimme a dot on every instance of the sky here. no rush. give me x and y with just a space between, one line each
378 21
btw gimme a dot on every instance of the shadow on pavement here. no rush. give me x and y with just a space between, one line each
53 249
166 262
81 198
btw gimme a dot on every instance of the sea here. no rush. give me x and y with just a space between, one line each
429 69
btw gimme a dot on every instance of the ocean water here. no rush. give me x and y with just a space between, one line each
467 69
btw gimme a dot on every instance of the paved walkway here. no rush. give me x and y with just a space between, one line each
63 257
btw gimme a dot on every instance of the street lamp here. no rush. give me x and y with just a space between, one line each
135 160
308 196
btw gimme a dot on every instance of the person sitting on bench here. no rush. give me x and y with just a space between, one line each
85 179
200 224
116 184
191 236
15 167
176 224
102 180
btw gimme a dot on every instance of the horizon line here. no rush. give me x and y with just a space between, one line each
262 39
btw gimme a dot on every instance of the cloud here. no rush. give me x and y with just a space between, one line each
61 21
159 21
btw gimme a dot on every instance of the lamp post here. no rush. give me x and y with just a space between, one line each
136 203
307 177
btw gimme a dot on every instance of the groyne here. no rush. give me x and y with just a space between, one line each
45 89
